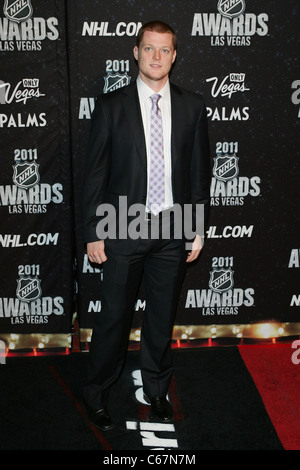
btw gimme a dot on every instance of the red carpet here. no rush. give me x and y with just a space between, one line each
277 380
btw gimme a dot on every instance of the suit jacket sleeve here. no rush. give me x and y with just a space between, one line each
201 168
96 170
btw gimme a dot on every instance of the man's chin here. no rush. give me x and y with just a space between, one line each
157 76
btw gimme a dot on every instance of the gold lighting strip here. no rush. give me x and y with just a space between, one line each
264 330
258 331
40 341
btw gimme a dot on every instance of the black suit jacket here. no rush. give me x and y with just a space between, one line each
116 163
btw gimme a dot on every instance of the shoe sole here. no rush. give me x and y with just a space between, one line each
107 428
161 420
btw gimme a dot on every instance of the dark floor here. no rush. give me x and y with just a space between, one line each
216 406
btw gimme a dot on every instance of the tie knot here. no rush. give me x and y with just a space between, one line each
155 98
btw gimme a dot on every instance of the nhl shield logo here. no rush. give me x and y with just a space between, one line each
231 8
26 175
17 10
225 167
221 280
115 81
28 289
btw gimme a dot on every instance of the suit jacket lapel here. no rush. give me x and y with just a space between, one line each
134 116
133 111
176 111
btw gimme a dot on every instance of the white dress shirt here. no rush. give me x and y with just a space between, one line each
144 93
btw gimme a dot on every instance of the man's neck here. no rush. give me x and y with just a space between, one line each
155 85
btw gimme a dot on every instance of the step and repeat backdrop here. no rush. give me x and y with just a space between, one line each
56 57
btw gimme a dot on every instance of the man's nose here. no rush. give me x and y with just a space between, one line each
157 54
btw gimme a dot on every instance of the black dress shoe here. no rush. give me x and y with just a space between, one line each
99 418
161 409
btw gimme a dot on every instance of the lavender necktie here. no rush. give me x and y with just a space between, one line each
156 193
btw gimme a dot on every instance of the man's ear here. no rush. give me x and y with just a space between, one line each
136 52
174 56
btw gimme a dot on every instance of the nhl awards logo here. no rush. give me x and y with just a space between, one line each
17 10
30 306
228 188
221 280
115 81
21 31
225 167
222 297
231 25
26 175
28 289
231 8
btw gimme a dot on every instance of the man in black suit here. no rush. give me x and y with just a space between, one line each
119 164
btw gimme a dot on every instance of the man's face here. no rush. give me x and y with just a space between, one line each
155 56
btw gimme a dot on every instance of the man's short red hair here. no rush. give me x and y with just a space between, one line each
157 27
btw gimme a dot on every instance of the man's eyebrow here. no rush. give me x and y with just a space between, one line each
152 45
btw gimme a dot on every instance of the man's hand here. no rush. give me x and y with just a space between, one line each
196 249
95 252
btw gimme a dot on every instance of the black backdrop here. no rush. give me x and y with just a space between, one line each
55 58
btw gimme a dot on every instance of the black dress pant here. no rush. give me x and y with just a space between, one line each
162 262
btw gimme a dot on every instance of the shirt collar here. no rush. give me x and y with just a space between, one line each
145 91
